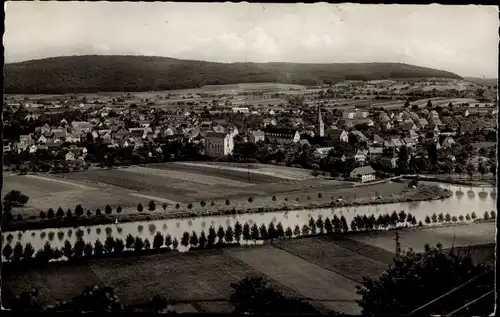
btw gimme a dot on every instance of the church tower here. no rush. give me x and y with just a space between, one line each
321 124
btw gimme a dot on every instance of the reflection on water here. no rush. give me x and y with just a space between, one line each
471 193
483 194
459 193
453 205
51 235
493 194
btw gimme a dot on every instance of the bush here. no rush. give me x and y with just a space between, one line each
68 213
320 195
493 215
42 214
108 210
227 202
473 215
274 198
250 199
98 212
177 206
152 205
486 215
164 206
89 213
119 209
15 198
203 203
190 206
139 207
212 203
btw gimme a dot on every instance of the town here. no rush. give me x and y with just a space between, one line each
318 129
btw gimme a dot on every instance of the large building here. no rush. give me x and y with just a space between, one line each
282 136
218 144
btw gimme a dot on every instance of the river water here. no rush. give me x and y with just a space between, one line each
464 199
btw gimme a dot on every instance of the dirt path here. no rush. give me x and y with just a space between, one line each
61 182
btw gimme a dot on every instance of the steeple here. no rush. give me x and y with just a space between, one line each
321 124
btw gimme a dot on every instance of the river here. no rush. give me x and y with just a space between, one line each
464 199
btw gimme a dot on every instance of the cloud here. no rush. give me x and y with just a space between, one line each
231 47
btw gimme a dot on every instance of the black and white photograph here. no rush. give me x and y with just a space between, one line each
249 158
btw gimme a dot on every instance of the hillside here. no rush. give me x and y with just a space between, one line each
482 81
94 73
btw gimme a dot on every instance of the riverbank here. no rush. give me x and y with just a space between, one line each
421 193
473 183
317 268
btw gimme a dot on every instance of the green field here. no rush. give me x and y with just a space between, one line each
323 270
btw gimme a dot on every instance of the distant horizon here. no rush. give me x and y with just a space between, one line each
243 62
432 36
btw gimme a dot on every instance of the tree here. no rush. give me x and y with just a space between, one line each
164 206
431 274
79 210
271 231
138 244
252 295
98 248
15 198
312 225
152 205
175 245
129 241
119 246
203 203
79 248
237 231
177 206
185 239
158 240
88 250
68 213
212 235
60 213
229 235
250 199
482 169
203 240
434 218
427 220
263 232
108 210
328 225
109 244
190 206
429 104
246 232
343 222
274 198
288 232
280 231
28 251
193 240
473 215
89 213
471 169
447 217
168 241
227 202
305 230
98 212
67 250
296 231
18 252
467 217
50 213
459 169
486 215
441 217
402 216
42 214
254 232
139 207
320 225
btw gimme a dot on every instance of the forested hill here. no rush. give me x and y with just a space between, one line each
94 73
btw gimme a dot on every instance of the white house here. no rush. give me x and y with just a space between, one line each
218 144
69 156
363 174
282 136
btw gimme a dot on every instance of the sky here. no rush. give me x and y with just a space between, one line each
460 39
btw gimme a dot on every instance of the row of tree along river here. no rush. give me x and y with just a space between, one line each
464 201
